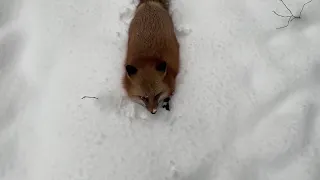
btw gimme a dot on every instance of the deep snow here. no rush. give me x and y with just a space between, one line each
246 108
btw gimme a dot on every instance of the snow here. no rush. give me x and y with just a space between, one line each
246 107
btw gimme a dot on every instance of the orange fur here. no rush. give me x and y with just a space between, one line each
151 41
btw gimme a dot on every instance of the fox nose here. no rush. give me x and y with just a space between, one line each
152 107
153 111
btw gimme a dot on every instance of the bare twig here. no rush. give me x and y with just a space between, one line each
89 97
303 7
287 7
291 17
280 14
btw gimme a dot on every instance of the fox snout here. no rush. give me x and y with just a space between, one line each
152 108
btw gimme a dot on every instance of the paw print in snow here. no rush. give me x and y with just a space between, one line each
183 31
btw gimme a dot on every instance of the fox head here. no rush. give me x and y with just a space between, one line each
147 84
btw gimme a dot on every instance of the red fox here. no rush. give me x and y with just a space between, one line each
152 57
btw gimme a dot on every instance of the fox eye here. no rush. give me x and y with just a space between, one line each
144 98
158 95
162 67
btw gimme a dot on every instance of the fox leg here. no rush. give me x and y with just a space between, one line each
166 103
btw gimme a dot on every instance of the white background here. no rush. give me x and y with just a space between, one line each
246 106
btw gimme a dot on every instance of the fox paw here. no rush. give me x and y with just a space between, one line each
166 104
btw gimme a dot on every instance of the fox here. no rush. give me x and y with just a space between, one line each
152 59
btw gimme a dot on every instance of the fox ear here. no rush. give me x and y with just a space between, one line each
131 70
162 67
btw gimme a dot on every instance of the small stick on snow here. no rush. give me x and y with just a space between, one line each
291 17
89 97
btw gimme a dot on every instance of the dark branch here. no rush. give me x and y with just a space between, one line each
287 7
280 14
303 7
291 17
89 97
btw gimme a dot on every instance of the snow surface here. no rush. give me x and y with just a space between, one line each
246 107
